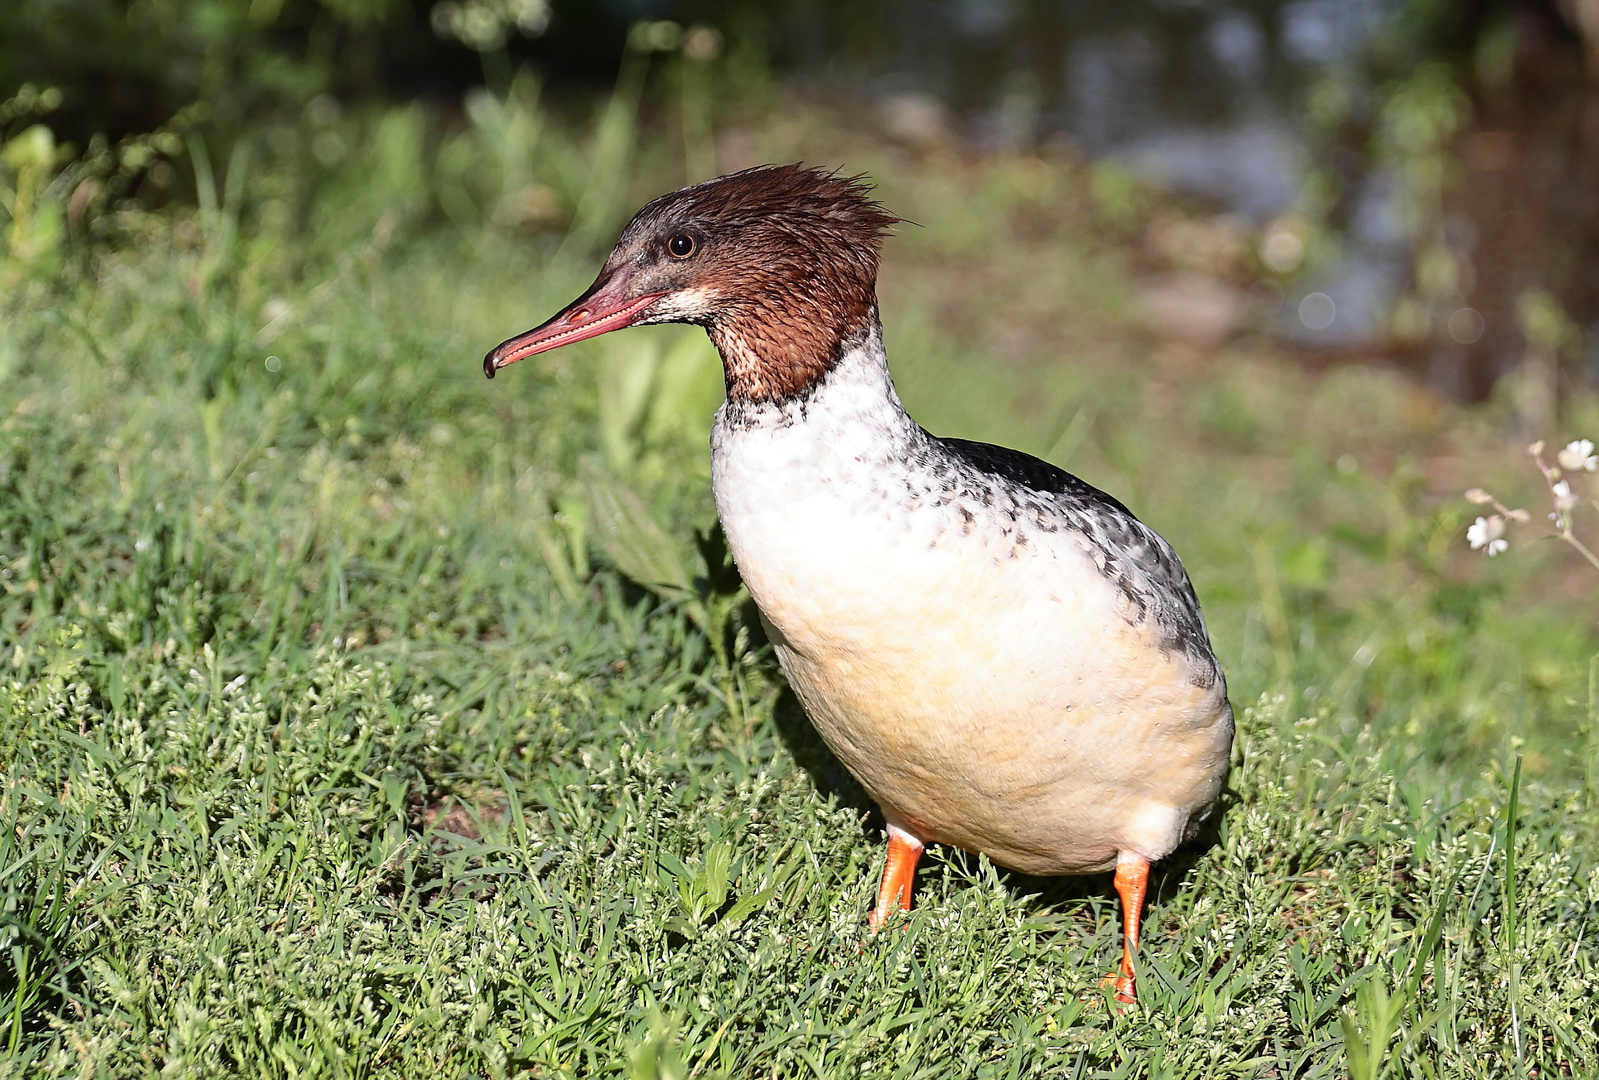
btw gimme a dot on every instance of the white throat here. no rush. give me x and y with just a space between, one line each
856 393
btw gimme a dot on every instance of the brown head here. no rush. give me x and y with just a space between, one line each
778 263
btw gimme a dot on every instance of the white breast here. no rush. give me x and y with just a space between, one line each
982 678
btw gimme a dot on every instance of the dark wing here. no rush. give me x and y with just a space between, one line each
1134 557
1028 471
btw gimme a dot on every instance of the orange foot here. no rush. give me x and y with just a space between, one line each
898 873
1132 881
1124 983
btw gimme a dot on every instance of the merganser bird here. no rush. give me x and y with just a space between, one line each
1005 657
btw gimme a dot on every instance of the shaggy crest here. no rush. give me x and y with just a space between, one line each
788 263
833 216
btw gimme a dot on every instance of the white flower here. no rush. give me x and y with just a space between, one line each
1487 533
1564 499
1485 529
1578 454
1479 496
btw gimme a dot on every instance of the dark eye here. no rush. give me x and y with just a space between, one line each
680 246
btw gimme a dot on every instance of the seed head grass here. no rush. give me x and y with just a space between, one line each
362 718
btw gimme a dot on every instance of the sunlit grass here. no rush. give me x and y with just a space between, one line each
343 736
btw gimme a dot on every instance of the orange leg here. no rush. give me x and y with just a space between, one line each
1132 882
900 870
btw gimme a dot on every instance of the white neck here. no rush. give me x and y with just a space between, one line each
855 397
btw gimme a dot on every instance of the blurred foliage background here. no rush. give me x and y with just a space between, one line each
1414 179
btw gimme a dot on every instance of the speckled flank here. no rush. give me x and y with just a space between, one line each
1034 495
1006 657
1010 493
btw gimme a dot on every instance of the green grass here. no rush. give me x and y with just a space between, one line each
343 736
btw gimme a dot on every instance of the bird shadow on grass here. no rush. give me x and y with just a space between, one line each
1042 894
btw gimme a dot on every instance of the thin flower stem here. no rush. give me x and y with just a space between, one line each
1567 536
1550 477
1509 514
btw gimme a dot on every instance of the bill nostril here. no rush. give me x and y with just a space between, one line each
579 315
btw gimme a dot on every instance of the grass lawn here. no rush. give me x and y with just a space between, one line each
360 717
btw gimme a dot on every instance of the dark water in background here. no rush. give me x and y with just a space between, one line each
1448 221
1204 100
